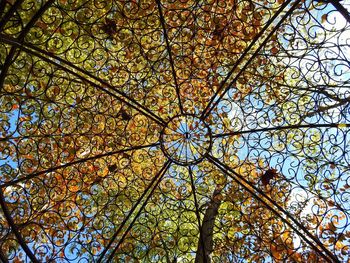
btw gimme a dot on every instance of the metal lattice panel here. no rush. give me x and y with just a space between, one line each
174 131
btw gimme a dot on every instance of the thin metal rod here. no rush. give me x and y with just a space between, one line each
33 175
4 70
3 257
154 184
42 136
341 9
13 226
106 87
297 126
34 19
197 215
12 9
211 105
162 21
20 38
254 191
244 54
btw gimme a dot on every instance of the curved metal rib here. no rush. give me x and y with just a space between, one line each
297 126
31 176
155 182
211 105
162 20
19 237
276 209
72 69
20 38
205 260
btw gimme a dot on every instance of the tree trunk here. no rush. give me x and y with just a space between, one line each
207 228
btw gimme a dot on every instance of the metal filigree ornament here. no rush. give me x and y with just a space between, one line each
174 131
186 140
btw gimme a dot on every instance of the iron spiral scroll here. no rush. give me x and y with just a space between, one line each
174 131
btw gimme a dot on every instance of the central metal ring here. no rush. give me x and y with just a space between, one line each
186 139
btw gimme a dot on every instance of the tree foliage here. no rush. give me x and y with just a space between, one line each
87 89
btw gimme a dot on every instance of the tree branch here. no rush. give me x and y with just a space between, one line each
208 227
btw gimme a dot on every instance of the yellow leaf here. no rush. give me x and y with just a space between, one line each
342 125
74 188
339 245
104 172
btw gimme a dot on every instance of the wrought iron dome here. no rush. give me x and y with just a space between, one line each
174 131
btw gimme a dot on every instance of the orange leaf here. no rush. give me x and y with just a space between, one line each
29 156
275 251
41 24
274 50
74 188
56 90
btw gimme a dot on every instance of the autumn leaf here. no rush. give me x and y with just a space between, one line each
112 168
17 260
125 116
274 50
29 156
56 90
125 155
41 24
268 176
103 172
109 27
95 168
74 188
97 180
25 118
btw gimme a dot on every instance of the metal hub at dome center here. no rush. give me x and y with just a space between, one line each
186 139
